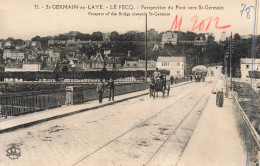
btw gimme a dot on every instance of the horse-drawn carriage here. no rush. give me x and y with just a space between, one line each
159 85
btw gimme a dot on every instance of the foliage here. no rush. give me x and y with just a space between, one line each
104 74
96 36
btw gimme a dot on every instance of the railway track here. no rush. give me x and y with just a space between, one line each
150 118
192 109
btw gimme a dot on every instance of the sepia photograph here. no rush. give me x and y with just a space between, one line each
129 83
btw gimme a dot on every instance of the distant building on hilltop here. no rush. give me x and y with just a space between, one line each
170 37
106 36
13 54
176 65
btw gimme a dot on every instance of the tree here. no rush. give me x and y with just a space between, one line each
10 39
18 42
62 37
130 36
190 36
36 38
121 37
114 36
159 37
211 38
65 69
82 37
96 36
237 37
141 36
152 35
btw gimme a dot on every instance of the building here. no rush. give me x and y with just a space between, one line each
169 37
73 62
13 54
51 42
113 63
106 36
14 67
97 62
176 65
215 71
193 42
139 65
246 66
55 56
8 44
32 66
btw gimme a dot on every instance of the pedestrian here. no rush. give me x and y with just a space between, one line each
172 79
111 89
191 77
100 90
219 98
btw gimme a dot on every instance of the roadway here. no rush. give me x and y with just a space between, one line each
133 132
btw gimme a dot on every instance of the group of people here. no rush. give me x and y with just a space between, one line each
101 89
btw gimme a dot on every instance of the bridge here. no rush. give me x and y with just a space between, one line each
186 128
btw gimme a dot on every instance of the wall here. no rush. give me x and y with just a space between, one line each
215 71
173 68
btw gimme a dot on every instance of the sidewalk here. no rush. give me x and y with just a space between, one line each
215 141
13 123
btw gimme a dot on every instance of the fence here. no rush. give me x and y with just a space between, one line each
22 103
249 137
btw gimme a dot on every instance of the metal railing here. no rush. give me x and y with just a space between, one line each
247 133
22 103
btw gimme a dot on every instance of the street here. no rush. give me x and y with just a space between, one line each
140 131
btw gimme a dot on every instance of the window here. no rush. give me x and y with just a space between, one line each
165 63
178 64
212 73
178 72
247 66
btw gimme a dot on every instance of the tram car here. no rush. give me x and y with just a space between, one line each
199 72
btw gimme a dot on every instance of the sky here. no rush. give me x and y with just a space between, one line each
20 19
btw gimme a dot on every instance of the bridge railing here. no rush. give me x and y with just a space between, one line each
22 103
247 133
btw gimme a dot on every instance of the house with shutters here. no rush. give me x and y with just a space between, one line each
176 65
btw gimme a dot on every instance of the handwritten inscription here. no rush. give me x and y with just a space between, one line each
246 9
202 25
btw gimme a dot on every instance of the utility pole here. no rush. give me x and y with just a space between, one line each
230 61
226 80
145 48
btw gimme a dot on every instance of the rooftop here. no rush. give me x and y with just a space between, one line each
249 60
14 65
170 59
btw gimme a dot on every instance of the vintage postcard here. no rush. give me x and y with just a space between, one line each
129 83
